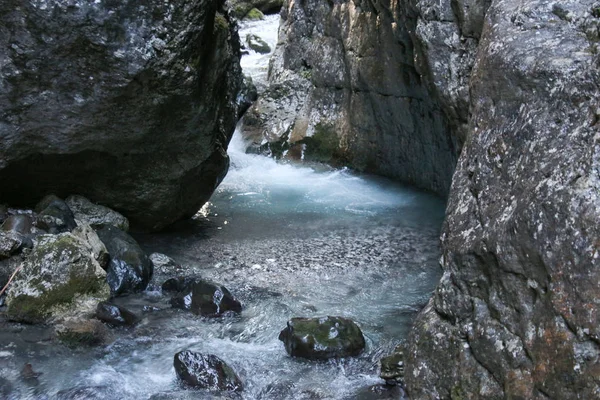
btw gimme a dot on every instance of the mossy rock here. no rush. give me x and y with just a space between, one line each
323 146
322 338
83 334
257 44
59 268
254 15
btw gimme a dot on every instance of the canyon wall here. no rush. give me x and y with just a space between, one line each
129 103
403 88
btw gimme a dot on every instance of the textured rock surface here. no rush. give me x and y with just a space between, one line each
205 372
96 215
516 312
115 315
322 338
59 268
350 82
129 104
129 269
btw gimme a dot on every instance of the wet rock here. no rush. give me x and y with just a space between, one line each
54 215
58 268
392 368
115 315
241 8
145 88
277 390
20 223
205 372
322 338
96 215
3 213
206 299
129 269
254 15
164 263
378 392
80 333
6 388
179 284
255 43
28 375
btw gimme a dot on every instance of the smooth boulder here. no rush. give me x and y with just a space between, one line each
59 268
96 215
129 269
257 44
322 338
206 299
205 372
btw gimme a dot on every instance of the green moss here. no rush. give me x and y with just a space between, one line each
306 74
457 393
221 22
323 145
254 15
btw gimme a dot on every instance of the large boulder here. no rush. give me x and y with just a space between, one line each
96 215
322 338
129 104
59 269
515 315
205 372
202 297
129 269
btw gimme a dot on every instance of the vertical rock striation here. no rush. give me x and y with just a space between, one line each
516 312
350 82
129 103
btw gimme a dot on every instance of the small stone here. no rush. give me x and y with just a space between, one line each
82 333
54 215
206 299
257 44
162 262
205 372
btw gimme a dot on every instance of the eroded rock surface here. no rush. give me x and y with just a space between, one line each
515 314
129 104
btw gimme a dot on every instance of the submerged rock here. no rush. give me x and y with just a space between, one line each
85 393
205 372
204 298
78 333
322 338
96 215
115 315
164 263
59 268
129 104
129 269
54 215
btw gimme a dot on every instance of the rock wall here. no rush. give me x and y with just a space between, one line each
350 84
129 103
516 312
398 88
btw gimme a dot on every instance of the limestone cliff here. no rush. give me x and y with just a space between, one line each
129 103
516 312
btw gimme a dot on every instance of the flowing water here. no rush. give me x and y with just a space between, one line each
287 240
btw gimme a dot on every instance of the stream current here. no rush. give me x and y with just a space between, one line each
287 240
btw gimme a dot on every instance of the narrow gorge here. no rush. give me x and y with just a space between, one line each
354 199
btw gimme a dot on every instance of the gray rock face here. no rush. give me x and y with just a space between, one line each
129 104
350 84
515 314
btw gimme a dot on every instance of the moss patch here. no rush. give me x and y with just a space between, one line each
255 15
323 146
